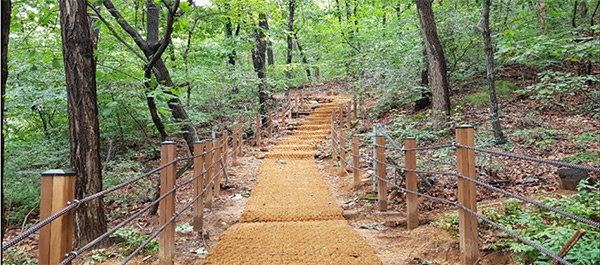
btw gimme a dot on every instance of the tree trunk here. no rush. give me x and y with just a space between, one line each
304 60
574 17
440 88
258 59
229 35
541 14
6 15
152 51
84 136
290 35
489 54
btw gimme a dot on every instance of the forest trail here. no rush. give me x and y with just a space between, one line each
291 216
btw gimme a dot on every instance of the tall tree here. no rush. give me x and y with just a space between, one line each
290 37
84 136
6 14
541 14
153 49
258 60
489 55
440 87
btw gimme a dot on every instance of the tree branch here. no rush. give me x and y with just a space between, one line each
115 34
164 42
139 40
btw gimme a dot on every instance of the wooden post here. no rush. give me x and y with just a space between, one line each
218 174
198 207
381 174
234 140
166 208
297 106
302 98
355 162
290 112
282 114
348 115
270 127
412 214
225 149
355 115
240 139
257 133
56 238
340 115
467 196
334 143
342 140
569 245
209 167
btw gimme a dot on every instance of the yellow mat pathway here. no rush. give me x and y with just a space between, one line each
291 217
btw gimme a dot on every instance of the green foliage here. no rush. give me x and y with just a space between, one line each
505 91
99 256
538 137
17 256
552 230
118 171
554 85
545 228
130 238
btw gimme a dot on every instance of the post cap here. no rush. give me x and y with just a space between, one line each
58 172
410 138
167 143
465 126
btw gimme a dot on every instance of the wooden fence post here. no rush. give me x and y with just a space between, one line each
467 196
381 174
234 140
217 161
166 208
198 214
355 162
225 150
342 139
340 115
270 126
240 139
349 115
355 115
412 218
56 238
282 114
209 167
334 139
257 133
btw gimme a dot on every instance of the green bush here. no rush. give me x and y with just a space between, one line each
545 228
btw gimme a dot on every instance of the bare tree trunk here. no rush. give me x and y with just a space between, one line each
258 59
290 35
6 15
84 136
541 14
440 87
489 54
574 17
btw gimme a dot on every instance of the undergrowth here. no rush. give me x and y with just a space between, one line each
544 228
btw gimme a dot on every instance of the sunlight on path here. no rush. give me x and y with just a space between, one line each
291 217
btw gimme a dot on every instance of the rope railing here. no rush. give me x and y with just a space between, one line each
175 215
379 176
532 159
73 254
60 250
